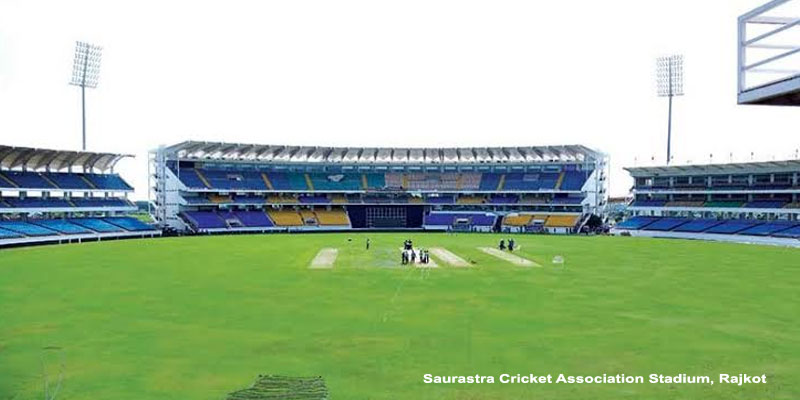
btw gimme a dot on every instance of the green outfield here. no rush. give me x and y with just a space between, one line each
198 317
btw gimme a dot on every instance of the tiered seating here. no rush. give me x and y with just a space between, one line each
765 204
376 181
100 202
698 225
37 202
219 199
334 217
253 218
6 234
108 182
483 219
278 199
561 221
68 181
338 199
196 200
573 180
232 180
793 233
489 181
308 216
95 224
503 199
517 219
191 179
440 200
316 199
531 181
723 204
636 222
685 203
336 181
666 224
769 228
62 226
470 200
129 224
649 203
204 219
567 200
285 217
28 180
249 200
733 226
470 182
26 228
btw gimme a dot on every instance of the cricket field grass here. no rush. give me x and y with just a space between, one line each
199 317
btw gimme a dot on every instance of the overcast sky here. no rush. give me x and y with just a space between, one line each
385 73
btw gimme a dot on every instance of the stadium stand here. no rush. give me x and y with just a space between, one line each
746 202
62 226
333 217
52 196
372 188
561 221
96 224
286 217
254 219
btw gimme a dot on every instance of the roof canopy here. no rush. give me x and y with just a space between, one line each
369 155
763 167
56 160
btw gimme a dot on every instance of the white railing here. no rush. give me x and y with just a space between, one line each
769 45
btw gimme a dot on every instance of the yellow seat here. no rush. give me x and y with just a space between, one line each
335 217
219 199
561 221
276 199
517 220
285 217
470 200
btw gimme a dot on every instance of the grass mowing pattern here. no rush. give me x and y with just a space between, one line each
273 387
194 318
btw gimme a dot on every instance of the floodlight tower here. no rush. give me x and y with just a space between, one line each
85 73
669 82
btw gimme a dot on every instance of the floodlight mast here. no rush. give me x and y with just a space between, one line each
669 79
85 73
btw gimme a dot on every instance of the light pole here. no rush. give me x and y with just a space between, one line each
669 82
85 73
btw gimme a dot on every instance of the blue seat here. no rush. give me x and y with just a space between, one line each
667 224
129 223
68 180
6 234
61 226
96 224
733 226
698 225
26 228
108 182
637 222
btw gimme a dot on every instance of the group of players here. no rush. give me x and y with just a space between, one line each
511 244
408 255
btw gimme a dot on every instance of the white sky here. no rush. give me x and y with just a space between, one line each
385 73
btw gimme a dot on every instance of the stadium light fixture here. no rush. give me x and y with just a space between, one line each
669 83
86 73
